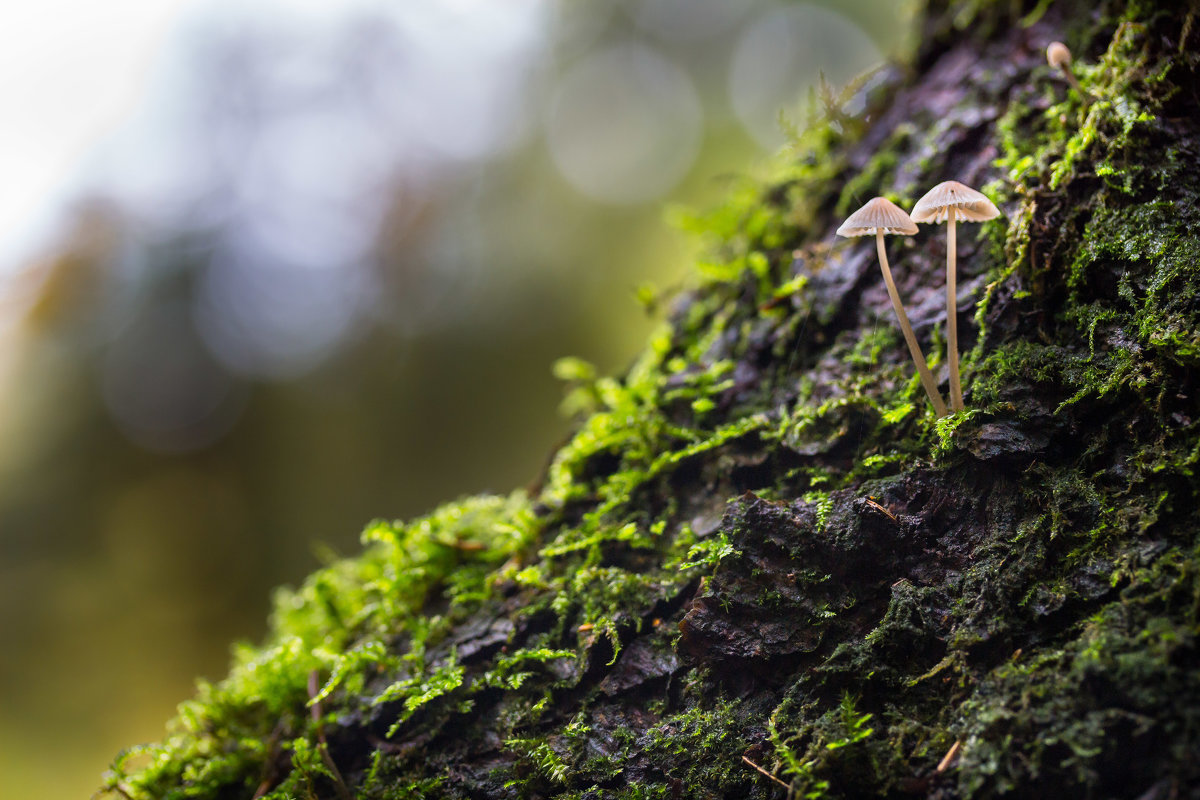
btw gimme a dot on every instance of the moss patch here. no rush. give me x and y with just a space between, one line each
761 562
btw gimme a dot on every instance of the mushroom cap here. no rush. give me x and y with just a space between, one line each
879 214
968 204
1057 55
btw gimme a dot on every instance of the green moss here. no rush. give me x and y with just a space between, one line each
341 624
1017 584
700 748
824 749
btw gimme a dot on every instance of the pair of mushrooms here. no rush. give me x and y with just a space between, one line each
947 202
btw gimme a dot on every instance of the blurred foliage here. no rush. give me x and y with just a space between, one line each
154 487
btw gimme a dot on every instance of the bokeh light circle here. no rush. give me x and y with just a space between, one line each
624 125
779 57
164 390
262 317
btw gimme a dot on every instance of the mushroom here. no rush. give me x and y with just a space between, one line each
1058 56
877 217
947 202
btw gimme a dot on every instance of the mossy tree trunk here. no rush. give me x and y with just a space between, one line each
762 566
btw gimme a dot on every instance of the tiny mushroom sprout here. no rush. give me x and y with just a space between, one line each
947 202
1058 56
877 217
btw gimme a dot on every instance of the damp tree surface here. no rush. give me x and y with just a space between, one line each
763 566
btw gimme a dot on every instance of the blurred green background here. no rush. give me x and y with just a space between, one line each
290 266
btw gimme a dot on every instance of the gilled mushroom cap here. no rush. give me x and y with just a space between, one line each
879 214
968 204
1057 54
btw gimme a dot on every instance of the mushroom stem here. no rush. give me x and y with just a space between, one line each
956 398
918 357
1070 75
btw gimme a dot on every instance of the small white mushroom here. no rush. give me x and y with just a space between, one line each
947 202
1058 56
878 217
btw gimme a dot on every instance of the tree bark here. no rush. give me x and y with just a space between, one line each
762 567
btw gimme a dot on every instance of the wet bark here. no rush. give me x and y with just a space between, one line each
1005 603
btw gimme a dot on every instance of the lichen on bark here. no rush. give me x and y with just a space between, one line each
761 566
